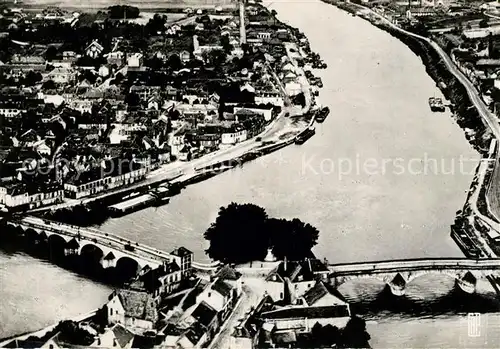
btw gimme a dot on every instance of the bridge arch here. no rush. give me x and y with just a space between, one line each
15 229
56 244
31 234
91 253
127 268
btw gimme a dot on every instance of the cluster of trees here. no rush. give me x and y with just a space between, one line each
244 232
300 99
353 335
69 332
123 11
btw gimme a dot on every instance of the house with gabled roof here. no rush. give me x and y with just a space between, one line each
231 276
94 49
133 309
298 276
220 296
116 336
320 295
193 338
163 280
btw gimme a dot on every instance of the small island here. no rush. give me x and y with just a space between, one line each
244 232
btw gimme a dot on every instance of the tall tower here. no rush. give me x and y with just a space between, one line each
243 34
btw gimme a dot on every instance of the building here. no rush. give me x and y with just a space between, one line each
115 58
82 105
61 75
144 92
135 310
116 336
163 280
20 195
10 110
183 257
177 141
94 49
135 60
302 319
265 111
235 134
204 326
116 174
220 296
297 276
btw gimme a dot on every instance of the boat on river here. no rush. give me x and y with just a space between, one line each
161 195
436 104
302 137
464 242
131 205
321 114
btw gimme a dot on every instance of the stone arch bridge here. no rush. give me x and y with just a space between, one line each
110 249
398 273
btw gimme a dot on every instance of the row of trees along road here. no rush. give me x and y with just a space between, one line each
244 232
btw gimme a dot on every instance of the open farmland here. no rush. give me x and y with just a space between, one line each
150 4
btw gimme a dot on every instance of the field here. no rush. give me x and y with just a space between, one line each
145 5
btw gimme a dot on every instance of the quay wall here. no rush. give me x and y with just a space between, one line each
493 192
44 331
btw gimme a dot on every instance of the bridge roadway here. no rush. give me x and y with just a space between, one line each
111 241
406 265
142 253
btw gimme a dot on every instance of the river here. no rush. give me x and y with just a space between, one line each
377 180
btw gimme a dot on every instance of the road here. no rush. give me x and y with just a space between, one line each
253 290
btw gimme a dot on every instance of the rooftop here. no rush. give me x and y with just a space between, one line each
138 304
307 312
204 314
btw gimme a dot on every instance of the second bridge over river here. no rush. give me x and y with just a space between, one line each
398 273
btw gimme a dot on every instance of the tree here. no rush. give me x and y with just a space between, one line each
292 239
49 85
132 99
243 233
325 336
50 53
120 12
238 234
174 62
354 334
300 99
32 78
226 45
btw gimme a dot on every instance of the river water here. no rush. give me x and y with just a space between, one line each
381 179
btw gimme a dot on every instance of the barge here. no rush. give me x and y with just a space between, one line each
464 242
161 194
131 205
322 114
436 104
305 135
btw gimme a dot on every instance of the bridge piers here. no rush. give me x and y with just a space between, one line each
398 285
467 283
108 261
